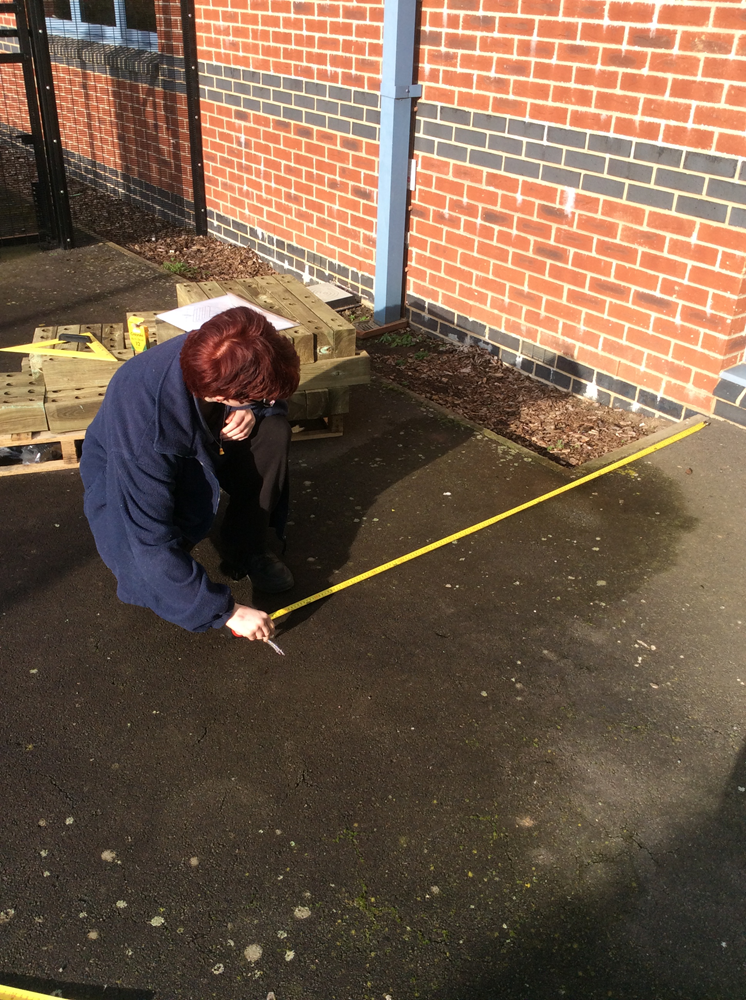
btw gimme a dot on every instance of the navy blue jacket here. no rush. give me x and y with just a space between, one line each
151 491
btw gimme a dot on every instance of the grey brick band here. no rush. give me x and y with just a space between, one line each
152 69
286 256
321 105
686 182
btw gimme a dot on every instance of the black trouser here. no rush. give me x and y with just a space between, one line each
254 473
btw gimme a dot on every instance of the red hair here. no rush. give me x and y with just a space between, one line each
239 355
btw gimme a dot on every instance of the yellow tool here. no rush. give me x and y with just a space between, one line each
139 334
12 993
485 524
96 350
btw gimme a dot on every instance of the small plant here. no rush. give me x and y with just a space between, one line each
400 362
421 355
179 267
398 339
358 315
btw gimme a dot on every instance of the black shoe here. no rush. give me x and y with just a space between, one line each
266 572
269 574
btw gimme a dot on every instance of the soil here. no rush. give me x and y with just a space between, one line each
469 381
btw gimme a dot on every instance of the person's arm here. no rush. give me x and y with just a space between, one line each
164 576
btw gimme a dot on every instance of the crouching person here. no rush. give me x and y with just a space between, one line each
179 421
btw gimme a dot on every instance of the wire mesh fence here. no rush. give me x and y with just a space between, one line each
115 70
19 220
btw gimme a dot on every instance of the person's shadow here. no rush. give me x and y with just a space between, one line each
334 487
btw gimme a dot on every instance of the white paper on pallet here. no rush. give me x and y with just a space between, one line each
192 317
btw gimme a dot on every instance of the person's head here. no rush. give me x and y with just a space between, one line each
238 355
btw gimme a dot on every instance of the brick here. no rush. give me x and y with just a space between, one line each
451 152
566 137
455 115
490 123
529 130
521 167
649 196
652 39
603 186
469 137
481 158
585 161
556 175
702 209
727 190
679 181
730 412
609 289
616 386
438 131
505 145
664 155
540 152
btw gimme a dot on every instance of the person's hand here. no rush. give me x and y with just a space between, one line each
250 623
239 425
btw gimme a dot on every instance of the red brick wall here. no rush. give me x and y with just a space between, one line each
643 287
645 295
302 183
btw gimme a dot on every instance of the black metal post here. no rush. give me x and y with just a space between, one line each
189 36
50 121
43 197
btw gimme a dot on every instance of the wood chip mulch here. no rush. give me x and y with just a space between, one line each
568 429
177 250
468 381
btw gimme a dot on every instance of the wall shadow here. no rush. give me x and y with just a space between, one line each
669 928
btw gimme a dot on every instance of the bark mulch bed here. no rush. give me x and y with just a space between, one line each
178 250
469 381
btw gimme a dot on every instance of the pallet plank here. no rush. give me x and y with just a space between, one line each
68 443
166 331
303 340
59 373
112 336
73 409
339 400
335 372
268 289
212 289
188 292
342 331
21 403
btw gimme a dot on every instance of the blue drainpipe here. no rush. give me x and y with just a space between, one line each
397 94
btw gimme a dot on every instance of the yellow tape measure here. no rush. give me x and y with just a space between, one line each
11 993
492 520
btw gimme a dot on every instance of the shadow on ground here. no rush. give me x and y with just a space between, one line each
500 770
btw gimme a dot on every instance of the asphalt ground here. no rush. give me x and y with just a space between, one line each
512 768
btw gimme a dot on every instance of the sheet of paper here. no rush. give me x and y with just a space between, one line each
192 317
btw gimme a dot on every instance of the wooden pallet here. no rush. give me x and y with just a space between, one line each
69 443
319 328
61 397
